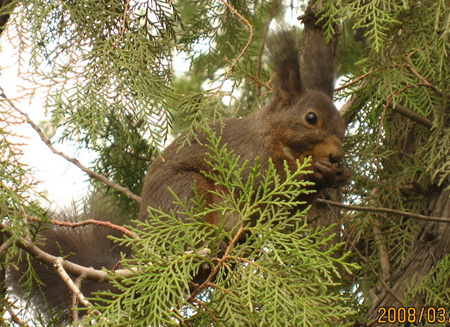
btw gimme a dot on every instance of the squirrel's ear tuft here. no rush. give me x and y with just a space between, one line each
305 65
318 56
283 49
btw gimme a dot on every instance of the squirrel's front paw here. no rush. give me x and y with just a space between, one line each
327 174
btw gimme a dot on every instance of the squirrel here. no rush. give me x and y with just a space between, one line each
300 121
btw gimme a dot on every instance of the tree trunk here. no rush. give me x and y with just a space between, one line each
431 244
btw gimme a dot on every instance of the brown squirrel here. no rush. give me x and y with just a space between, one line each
300 121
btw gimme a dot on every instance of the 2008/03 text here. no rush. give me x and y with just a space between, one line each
429 315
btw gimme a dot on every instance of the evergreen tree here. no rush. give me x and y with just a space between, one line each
108 68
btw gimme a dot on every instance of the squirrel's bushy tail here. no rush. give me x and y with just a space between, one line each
88 246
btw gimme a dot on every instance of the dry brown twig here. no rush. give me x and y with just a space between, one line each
88 222
59 267
383 210
249 41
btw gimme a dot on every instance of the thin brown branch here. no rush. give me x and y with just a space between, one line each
70 267
74 301
249 41
383 252
203 305
388 104
75 269
384 210
220 263
88 171
345 112
124 19
89 222
59 267
356 80
15 315
5 246
382 249
413 116
423 79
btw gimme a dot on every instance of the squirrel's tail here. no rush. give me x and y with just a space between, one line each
88 246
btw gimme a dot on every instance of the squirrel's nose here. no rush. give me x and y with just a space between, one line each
336 154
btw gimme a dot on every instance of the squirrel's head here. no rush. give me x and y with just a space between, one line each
311 126
302 114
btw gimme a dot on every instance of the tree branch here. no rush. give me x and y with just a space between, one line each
424 80
249 41
221 262
413 116
384 210
72 268
59 267
88 171
88 222
389 104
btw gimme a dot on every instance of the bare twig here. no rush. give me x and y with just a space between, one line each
89 222
74 300
5 246
388 104
59 267
72 268
221 262
249 41
88 171
356 80
382 249
413 116
15 315
384 253
124 19
203 305
384 210
423 79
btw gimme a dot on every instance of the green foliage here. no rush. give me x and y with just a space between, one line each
215 38
18 197
397 162
274 270
434 287
18 200
95 56
124 158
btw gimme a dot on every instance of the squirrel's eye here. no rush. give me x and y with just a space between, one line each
311 118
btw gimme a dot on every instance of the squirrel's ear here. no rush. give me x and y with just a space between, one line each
284 55
317 57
